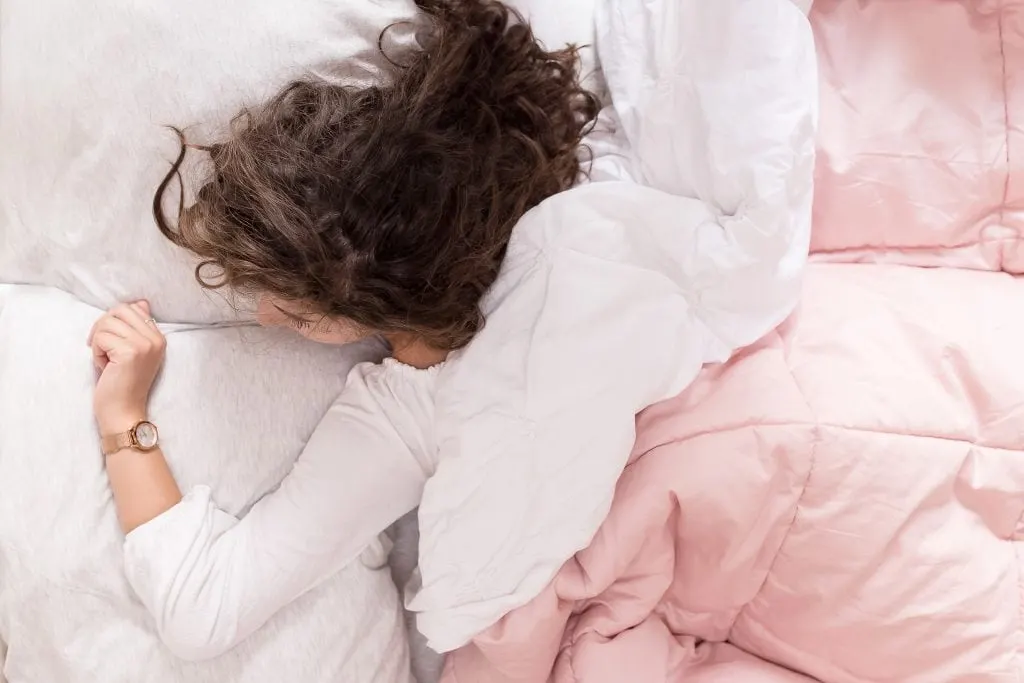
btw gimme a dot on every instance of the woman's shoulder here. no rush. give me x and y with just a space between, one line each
394 389
394 398
392 375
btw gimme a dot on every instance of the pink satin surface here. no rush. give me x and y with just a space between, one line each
844 501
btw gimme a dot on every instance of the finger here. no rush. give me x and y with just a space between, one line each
129 315
156 335
99 357
94 328
136 316
141 310
116 326
114 347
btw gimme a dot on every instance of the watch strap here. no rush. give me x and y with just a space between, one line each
113 443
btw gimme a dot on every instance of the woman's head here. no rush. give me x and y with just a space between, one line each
388 209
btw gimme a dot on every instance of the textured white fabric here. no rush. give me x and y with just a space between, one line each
86 89
235 406
614 294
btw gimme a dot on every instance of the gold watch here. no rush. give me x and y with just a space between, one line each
143 437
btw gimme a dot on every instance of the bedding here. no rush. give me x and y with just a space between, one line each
853 484
84 139
841 502
236 405
701 256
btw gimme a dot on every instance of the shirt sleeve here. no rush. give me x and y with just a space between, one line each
210 580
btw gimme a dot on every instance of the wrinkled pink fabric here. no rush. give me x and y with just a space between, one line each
846 498
921 155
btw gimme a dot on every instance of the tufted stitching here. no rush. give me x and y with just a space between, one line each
1006 122
1002 221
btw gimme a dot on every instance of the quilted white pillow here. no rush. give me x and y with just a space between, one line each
85 90
235 406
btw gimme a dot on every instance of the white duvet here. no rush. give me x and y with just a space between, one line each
614 294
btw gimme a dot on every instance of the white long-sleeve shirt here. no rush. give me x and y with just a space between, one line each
210 580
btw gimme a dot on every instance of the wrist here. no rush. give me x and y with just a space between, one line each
120 421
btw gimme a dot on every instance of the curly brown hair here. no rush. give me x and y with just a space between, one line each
392 206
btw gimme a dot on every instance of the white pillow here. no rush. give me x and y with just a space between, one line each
85 88
235 406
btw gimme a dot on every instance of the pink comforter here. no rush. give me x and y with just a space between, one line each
846 498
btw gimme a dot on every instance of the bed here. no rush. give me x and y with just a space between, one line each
84 143
744 486
85 92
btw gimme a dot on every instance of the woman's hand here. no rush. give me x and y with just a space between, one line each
128 350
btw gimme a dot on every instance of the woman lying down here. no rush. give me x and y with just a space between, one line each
416 211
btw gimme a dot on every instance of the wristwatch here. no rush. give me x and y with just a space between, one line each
143 437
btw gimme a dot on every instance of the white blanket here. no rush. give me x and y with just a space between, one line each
614 294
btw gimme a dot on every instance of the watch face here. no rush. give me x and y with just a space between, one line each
146 435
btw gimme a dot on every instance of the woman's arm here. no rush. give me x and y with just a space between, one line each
142 484
210 579
128 350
